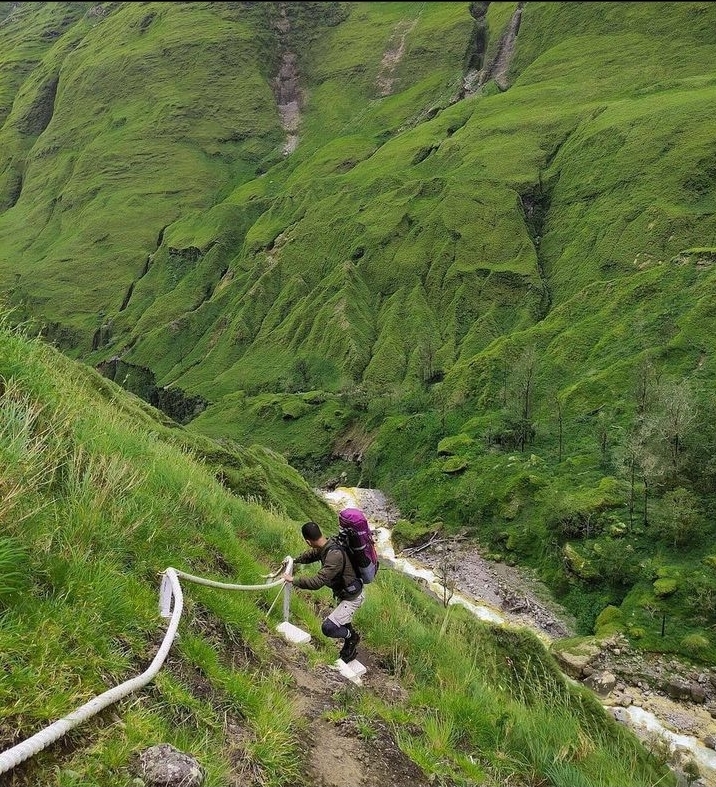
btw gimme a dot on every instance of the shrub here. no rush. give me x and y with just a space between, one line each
695 643
700 594
665 587
616 562
680 517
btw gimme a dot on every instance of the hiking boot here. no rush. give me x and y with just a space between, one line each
350 646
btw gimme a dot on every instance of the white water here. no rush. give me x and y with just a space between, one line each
386 552
642 722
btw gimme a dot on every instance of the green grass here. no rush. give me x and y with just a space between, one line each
382 285
101 497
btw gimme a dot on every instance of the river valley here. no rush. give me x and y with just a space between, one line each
627 683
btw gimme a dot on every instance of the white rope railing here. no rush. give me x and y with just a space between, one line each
170 591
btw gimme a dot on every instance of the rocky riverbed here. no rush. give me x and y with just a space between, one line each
670 705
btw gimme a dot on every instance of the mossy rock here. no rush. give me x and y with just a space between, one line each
454 444
665 587
407 533
455 464
578 564
574 654
511 509
710 561
314 397
609 621
293 409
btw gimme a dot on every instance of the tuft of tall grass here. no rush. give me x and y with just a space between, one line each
14 570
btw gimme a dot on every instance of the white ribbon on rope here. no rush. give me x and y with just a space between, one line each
170 591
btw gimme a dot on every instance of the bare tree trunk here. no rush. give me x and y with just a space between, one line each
632 480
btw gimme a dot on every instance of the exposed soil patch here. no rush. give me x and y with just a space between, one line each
497 69
342 749
393 55
286 88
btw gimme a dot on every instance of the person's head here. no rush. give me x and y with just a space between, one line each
312 534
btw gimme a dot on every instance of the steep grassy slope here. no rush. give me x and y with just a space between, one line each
393 260
488 300
130 118
99 496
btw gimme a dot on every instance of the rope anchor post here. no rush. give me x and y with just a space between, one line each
290 632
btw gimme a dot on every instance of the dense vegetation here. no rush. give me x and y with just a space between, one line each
495 306
100 495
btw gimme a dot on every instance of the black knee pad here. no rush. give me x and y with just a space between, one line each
331 629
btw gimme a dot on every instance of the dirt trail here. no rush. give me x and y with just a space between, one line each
341 748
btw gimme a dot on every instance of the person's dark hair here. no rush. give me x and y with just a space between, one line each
311 531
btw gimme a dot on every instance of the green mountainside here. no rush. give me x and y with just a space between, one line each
101 494
462 252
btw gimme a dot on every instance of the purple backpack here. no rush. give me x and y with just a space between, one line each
355 535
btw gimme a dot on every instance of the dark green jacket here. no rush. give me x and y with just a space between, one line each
336 570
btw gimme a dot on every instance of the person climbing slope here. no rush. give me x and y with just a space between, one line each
338 574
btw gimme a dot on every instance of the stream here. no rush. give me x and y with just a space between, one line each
482 600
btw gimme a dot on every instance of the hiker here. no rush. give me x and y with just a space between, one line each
338 574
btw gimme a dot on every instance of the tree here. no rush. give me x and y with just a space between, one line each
522 386
628 464
652 469
680 517
299 376
445 574
675 417
648 377
640 459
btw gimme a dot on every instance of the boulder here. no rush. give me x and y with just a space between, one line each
165 766
574 659
601 682
678 689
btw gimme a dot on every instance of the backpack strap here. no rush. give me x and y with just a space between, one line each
356 585
335 545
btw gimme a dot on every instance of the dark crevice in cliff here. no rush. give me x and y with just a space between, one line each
535 204
139 380
125 302
38 116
